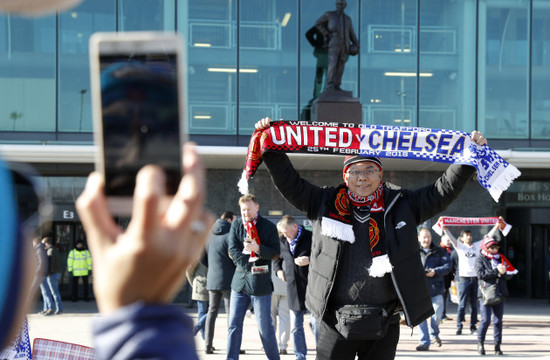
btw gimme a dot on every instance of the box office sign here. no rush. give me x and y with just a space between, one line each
528 193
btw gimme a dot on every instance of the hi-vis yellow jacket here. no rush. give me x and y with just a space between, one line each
79 262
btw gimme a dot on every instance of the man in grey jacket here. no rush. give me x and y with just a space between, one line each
364 257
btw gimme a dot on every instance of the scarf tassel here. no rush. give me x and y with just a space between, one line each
337 229
380 266
243 184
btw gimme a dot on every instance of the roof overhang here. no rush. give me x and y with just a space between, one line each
228 157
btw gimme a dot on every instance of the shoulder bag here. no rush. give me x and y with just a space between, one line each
490 293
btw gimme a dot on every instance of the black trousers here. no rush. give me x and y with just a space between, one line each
75 287
331 345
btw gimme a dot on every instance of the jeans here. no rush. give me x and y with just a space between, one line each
262 306
46 296
279 307
300 348
314 327
485 311
202 311
467 290
53 286
215 297
437 303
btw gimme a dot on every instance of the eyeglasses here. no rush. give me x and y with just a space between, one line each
366 173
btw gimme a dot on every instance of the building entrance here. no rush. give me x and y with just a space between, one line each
527 248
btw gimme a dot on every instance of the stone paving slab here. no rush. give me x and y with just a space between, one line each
526 333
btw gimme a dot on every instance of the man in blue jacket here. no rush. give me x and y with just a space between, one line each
437 264
253 243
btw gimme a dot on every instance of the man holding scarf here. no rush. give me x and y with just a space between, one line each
253 243
364 263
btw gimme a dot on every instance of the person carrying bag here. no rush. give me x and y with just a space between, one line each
493 270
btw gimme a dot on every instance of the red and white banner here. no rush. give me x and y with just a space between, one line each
471 221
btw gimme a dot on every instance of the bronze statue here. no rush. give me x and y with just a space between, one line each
339 40
316 40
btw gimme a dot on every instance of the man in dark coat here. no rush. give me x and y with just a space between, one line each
364 256
437 264
220 273
253 243
293 268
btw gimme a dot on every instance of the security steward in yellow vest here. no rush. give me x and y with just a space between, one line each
79 264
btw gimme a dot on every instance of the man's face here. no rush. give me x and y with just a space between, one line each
466 238
341 5
289 231
361 183
425 239
249 210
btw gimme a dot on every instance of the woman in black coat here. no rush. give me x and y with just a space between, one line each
491 268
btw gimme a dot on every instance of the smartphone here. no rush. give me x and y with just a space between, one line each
138 100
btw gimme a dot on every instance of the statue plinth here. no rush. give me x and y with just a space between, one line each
336 105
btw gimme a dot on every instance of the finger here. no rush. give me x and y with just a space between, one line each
188 247
150 187
188 201
94 213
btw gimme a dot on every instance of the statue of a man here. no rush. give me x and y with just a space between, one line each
340 40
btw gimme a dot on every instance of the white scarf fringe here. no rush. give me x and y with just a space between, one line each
337 229
243 184
380 266
503 181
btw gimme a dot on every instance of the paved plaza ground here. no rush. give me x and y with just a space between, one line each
526 333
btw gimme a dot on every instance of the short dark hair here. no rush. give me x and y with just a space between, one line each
227 215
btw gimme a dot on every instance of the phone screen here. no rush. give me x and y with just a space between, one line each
140 119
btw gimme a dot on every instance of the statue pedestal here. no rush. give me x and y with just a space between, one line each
336 106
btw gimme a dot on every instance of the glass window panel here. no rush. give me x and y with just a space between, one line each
503 73
268 60
209 26
540 83
141 15
75 28
27 74
388 62
447 65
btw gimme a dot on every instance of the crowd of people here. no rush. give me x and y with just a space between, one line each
358 271
338 271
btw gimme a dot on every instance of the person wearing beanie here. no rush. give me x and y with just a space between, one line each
466 253
492 268
364 265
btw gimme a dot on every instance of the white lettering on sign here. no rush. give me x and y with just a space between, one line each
68 214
